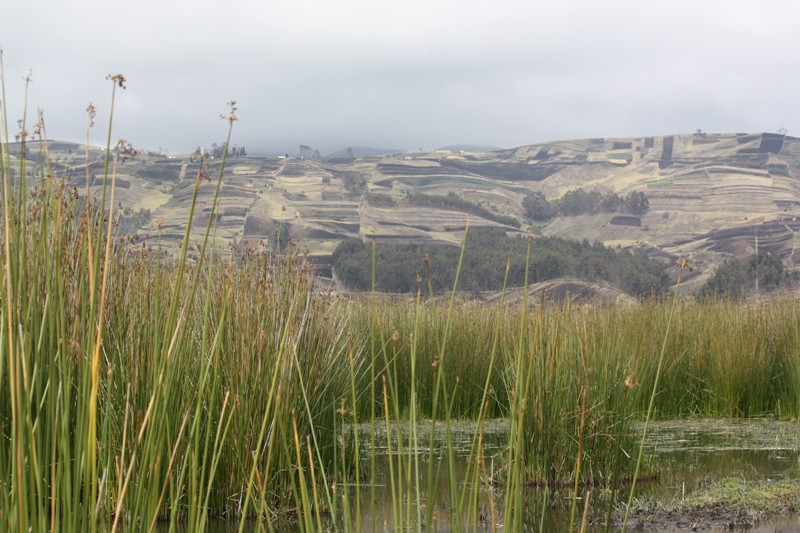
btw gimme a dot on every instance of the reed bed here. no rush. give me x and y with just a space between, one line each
151 393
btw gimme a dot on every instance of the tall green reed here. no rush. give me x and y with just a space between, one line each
138 391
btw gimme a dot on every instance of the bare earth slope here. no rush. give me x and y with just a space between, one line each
709 194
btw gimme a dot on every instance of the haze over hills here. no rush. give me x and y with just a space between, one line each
709 194
365 151
471 148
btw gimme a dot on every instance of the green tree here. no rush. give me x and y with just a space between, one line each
734 278
768 268
485 257
579 202
537 207
636 203
611 202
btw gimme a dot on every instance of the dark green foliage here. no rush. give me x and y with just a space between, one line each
453 201
611 203
379 199
767 268
537 207
581 202
488 249
637 203
734 278
353 181
730 279
349 264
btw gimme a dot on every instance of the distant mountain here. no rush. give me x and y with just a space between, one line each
471 148
365 151
708 194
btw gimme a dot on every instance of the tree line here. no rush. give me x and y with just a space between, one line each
218 150
735 278
397 266
579 202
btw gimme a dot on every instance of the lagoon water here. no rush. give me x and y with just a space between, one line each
688 453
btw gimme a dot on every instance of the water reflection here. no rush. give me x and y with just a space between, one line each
688 454
436 505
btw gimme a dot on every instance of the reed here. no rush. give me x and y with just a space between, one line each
139 391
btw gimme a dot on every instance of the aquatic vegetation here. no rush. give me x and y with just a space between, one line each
140 391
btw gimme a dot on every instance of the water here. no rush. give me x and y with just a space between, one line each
495 433
688 454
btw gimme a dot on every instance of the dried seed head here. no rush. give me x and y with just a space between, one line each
205 172
342 410
629 383
38 128
126 150
117 79
23 133
91 112
231 116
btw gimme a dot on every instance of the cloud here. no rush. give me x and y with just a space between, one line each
404 74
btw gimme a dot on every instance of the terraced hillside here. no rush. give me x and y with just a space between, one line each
709 195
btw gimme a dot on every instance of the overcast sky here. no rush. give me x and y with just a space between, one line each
404 74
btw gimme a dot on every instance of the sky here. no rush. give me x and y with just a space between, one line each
402 74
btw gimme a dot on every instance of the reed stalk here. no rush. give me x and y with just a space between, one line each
140 390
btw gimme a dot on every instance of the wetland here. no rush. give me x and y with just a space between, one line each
143 390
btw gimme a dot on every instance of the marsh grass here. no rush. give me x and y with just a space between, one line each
144 392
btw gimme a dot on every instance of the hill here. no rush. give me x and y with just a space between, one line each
708 195
365 151
470 148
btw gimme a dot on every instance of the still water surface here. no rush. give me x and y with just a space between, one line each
688 455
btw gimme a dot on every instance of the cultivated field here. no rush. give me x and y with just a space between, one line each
709 195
